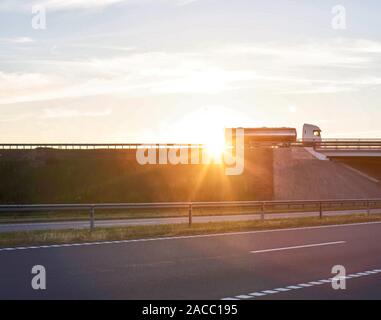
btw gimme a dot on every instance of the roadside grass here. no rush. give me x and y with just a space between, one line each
30 217
32 238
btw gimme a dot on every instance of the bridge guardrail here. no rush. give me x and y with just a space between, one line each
134 146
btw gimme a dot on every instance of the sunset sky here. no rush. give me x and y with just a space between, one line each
177 70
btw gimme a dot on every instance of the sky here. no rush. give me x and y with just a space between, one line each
147 71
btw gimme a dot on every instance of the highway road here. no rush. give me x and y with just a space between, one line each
277 264
11 227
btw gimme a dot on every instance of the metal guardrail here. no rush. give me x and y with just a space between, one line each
263 205
93 146
348 144
133 146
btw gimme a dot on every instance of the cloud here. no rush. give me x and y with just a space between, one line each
295 69
87 4
53 113
76 4
12 5
13 117
331 53
320 90
184 2
361 45
65 5
20 83
103 47
17 40
139 74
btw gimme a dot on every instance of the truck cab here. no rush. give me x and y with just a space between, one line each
311 134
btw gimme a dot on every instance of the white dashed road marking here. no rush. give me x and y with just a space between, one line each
305 285
243 296
300 286
257 294
270 291
299 247
325 280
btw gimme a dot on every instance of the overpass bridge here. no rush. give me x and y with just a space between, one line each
332 153
323 144
327 147
349 147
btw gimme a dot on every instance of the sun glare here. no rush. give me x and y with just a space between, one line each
207 126
211 124
215 146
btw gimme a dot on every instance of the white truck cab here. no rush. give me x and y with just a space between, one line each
311 133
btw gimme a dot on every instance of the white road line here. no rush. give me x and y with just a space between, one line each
282 289
299 247
270 291
244 296
299 286
257 294
304 285
187 237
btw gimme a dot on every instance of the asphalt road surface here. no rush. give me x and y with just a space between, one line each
11 227
278 264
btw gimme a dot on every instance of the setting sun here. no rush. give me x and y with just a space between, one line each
215 148
206 126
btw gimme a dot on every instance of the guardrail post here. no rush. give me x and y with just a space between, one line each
190 214
92 218
320 210
263 211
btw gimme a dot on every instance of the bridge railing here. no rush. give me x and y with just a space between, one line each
325 143
265 207
93 146
346 145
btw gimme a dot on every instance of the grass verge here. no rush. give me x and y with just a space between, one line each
13 239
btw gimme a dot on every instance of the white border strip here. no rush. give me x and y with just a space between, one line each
299 286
